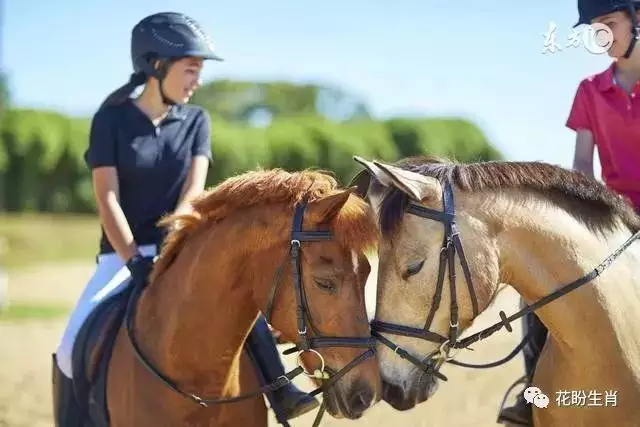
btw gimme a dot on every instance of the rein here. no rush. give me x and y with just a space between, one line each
452 244
306 343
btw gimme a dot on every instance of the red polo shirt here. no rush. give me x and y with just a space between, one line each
613 117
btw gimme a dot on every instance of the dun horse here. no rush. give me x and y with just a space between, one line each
533 226
291 245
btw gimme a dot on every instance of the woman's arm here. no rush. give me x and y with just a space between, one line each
201 161
194 185
114 222
580 121
583 154
102 160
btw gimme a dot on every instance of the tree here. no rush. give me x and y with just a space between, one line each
261 102
4 92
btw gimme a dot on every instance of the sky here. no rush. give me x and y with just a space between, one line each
403 57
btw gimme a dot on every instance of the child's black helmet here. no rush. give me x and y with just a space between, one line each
590 9
156 42
168 36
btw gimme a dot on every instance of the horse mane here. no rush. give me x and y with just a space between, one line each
353 227
586 199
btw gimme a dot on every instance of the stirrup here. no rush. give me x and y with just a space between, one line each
522 380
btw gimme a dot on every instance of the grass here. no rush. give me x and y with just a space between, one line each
29 239
33 312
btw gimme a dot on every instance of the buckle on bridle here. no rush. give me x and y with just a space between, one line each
281 381
199 401
445 350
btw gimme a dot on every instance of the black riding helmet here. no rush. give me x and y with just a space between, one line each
167 37
589 9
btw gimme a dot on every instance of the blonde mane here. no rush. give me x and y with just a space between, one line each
588 200
353 227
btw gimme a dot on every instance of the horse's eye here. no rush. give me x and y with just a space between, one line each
325 284
413 269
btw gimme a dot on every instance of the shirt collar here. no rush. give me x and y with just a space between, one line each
606 79
177 112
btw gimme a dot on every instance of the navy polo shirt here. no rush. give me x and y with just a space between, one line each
152 162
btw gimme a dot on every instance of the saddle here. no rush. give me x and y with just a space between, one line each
91 356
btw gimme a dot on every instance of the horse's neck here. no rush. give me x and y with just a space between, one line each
543 249
192 325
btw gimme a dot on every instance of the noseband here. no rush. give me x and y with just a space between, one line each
307 343
452 244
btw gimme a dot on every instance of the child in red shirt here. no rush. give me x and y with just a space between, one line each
605 114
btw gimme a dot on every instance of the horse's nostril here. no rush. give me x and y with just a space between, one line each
360 401
394 395
392 392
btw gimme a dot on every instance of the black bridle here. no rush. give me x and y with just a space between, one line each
306 343
452 245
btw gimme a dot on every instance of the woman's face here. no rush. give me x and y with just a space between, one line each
182 79
620 26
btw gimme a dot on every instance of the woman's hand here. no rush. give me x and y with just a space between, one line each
140 268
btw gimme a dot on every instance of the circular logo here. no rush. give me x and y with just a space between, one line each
597 38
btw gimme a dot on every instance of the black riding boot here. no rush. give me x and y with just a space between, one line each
521 412
66 411
262 347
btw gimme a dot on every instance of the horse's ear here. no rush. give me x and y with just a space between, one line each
361 183
418 187
326 208
374 170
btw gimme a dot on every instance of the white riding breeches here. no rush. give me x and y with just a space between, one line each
110 277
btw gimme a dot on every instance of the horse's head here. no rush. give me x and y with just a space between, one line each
414 286
294 245
333 271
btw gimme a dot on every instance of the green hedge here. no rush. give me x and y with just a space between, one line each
42 166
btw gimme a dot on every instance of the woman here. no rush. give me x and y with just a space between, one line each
149 156
605 114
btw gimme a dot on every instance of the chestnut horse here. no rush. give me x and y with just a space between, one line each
562 240
295 233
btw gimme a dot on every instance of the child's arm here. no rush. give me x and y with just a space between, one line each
583 154
580 121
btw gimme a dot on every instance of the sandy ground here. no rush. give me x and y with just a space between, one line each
471 397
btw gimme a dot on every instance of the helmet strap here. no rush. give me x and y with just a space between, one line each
635 29
161 73
166 100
